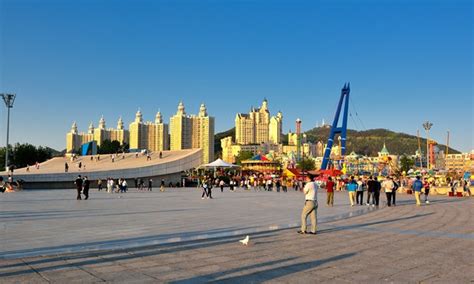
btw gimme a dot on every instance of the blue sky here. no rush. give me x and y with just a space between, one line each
407 61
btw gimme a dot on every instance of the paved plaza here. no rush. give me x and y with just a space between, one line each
175 236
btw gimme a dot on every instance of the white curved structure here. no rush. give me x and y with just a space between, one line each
51 174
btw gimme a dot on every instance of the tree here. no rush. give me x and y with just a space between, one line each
306 164
242 156
109 147
406 163
22 155
2 159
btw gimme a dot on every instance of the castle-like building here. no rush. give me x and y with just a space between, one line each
258 126
152 136
184 132
74 139
255 131
193 131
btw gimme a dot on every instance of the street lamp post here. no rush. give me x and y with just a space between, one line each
8 99
427 126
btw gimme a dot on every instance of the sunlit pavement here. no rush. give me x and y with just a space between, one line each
48 236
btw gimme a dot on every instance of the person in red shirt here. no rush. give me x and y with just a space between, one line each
330 192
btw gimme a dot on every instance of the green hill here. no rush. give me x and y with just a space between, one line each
368 142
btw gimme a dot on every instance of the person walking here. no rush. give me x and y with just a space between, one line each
150 184
99 184
351 188
110 185
204 189
417 186
396 185
378 187
371 191
330 192
221 184
86 185
162 186
426 186
209 188
278 185
78 183
124 185
310 206
360 191
66 167
388 186
467 191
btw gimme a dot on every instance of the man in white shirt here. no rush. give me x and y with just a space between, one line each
387 186
310 206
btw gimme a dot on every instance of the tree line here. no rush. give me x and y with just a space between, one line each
21 155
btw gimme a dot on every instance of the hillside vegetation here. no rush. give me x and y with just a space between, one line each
368 142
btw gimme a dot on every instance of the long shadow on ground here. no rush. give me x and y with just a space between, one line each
264 275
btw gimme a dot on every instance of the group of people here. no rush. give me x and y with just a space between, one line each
82 187
454 184
356 188
113 185
82 166
389 185
252 181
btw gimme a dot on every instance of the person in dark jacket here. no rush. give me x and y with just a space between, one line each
86 185
373 189
378 187
78 184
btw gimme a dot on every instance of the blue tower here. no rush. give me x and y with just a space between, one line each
338 130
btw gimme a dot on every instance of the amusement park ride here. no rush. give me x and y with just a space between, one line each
385 163
338 130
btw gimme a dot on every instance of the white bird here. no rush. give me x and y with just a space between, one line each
245 241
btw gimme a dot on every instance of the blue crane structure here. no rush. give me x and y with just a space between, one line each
338 130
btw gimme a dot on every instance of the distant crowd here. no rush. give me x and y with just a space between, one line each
81 165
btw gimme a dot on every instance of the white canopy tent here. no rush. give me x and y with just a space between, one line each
219 163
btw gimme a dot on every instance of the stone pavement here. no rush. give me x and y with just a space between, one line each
47 222
402 244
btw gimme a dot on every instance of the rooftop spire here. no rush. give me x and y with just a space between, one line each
74 128
120 123
203 110
181 110
138 116
158 118
102 122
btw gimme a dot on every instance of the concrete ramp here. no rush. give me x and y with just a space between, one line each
51 174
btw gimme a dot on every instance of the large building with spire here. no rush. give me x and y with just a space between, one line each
152 136
258 126
74 139
193 131
256 131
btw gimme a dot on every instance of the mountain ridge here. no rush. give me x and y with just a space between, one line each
367 142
